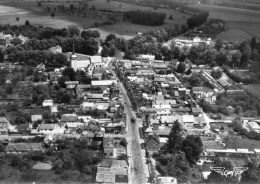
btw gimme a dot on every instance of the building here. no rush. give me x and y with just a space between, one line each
165 180
36 117
103 82
112 171
187 42
20 148
78 61
46 128
204 93
4 126
47 103
253 126
152 144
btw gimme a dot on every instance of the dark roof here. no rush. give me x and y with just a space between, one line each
153 137
196 109
121 179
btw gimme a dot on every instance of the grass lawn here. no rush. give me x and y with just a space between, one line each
37 16
237 142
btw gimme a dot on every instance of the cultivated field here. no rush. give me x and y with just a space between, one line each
37 15
237 142
242 23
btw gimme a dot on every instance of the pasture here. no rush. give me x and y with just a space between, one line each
39 16
240 23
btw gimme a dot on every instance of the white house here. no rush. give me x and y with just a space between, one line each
103 82
204 93
47 103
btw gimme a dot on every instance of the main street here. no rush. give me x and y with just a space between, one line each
136 172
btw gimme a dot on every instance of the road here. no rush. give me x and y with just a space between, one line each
137 173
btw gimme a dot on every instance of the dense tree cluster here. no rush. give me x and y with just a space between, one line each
197 19
145 17
179 154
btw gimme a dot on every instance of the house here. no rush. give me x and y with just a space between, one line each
146 58
71 84
204 93
205 170
14 148
47 103
56 49
96 62
103 82
165 180
196 111
152 144
253 126
188 119
4 126
36 117
46 128
69 118
112 171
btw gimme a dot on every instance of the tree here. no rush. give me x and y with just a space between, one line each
17 18
236 58
253 43
195 80
46 115
192 147
175 139
238 109
70 73
39 4
29 175
70 175
16 161
58 166
110 37
252 175
170 17
217 74
9 89
2 148
181 67
74 31
16 41
52 14
27 23
122 157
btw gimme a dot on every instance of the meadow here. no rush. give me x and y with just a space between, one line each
241 24
39 16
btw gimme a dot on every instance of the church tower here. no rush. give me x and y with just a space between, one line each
74 60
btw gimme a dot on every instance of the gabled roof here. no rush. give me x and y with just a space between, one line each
152 137
47 127
3 120
24 147
96 59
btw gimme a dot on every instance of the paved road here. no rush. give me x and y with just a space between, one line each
136 162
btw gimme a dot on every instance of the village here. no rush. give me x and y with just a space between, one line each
98 104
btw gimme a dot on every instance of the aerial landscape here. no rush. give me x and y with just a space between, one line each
130 91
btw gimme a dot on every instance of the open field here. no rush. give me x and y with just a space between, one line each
242 23
37 15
